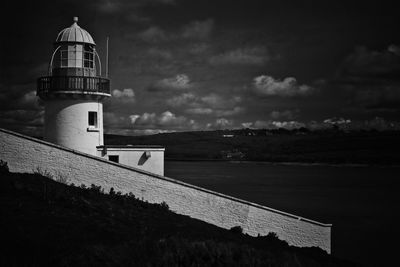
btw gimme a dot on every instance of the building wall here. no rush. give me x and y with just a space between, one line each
136 157
24 154
66 124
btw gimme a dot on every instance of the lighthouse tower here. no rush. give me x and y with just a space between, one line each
73 92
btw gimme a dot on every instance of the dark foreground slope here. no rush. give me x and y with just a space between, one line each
300 145
45 223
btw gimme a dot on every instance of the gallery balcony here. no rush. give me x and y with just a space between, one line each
55 86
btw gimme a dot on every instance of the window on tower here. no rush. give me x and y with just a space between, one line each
92 119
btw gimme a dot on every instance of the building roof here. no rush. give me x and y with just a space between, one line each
131 146
75 34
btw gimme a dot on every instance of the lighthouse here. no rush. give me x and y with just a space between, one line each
73 92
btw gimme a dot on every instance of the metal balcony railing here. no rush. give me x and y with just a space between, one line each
72 84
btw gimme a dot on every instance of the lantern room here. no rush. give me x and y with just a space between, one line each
74 68
75 53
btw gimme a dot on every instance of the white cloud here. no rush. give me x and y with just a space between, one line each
144 119
247 124
288 124
133 118
126 95
260 124
168 118
181 100
29 101
220 123
268 86
199 111
179 82
165 119
335 121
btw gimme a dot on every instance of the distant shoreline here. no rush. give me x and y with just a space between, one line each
289 163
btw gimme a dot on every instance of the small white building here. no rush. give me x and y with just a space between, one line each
73 93
149 158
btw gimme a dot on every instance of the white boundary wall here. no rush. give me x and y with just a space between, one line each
25 154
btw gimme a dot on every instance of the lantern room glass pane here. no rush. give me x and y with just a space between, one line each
79 55
78 63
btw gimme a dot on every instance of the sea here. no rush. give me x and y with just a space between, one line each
362 202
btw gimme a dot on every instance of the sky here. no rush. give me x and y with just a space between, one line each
184 65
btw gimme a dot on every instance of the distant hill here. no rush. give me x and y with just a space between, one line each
48 223
300 145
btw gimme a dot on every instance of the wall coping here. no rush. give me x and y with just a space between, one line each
166 178
130 147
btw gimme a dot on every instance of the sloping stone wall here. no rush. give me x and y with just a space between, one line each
25 154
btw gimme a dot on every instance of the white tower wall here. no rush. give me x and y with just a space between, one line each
67 124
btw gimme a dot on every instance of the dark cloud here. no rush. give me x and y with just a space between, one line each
285 114
198 29
370 79
185 65
153 35
245 56
369 64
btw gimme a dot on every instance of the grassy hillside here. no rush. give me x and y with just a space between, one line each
329 146
47 223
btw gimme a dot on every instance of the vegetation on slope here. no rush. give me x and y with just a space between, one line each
300 145
47 223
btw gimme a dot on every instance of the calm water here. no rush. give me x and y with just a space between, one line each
360 202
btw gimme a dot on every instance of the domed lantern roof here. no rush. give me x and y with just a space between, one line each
75 34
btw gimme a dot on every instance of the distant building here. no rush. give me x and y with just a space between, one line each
73 93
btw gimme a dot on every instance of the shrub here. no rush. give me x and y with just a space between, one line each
61 178
96 188
164 205
45 173
131 195
272 235
112 192
236 229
